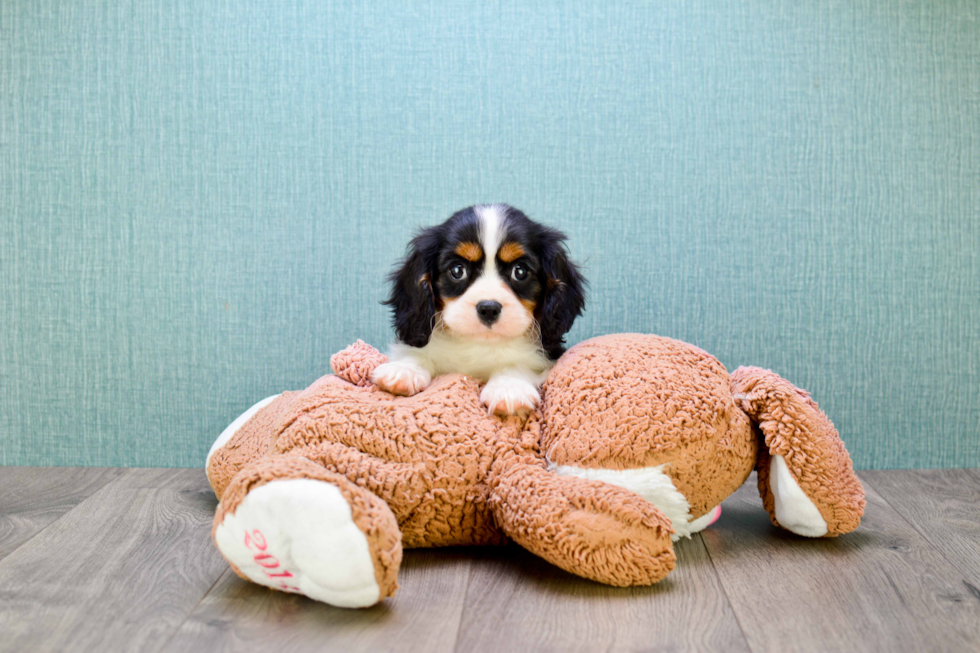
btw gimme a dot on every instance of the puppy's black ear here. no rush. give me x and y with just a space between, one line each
412 299
564 292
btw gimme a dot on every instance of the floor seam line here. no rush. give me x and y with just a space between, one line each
194 609
724 591
466 596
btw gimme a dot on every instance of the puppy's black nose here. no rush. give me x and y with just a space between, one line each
488 312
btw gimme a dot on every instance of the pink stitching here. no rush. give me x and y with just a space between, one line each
266 560
256 535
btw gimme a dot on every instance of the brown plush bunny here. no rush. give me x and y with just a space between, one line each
637 441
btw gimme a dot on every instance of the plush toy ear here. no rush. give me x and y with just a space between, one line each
564 292
413 299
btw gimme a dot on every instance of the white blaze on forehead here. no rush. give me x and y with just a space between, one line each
460 314
491 231
488 285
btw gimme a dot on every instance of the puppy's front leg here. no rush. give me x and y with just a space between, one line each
403 375
511 391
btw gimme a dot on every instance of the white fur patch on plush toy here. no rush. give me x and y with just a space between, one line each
653 485
298 536
794 510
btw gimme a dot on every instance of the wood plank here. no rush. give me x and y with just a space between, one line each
519 602
882 588
182 479
423 616
121 571
906 580
31 498
944 506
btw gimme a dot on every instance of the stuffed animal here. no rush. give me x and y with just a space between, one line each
637 441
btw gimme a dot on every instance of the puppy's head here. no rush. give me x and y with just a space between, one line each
491 273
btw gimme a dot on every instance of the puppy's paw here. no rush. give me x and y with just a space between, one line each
404 378
509 396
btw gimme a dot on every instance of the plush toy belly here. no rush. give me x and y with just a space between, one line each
662 423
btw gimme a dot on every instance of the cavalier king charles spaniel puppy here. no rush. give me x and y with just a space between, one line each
489 293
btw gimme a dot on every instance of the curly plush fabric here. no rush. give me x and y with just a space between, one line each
435 469
355 363
253 441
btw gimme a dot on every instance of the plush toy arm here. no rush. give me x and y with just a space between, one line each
356 362
804 468
588 528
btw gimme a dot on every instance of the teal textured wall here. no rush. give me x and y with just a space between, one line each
200 200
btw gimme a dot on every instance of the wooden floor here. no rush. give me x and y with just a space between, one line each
122 560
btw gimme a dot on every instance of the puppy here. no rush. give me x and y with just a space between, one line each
489 293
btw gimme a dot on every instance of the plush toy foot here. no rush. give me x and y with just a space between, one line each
305 536
806 479
404 377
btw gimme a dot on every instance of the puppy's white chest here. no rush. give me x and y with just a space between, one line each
481 360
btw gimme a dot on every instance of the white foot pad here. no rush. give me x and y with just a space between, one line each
298 535
794 510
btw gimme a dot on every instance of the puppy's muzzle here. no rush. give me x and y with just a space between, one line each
488 312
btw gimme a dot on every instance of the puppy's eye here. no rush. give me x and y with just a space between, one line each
519 273
457 272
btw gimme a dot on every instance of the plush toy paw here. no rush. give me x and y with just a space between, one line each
508 395
587 527
807 481
299 535
404 378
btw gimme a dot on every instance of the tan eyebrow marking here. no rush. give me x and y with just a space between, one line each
470 251
510 252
